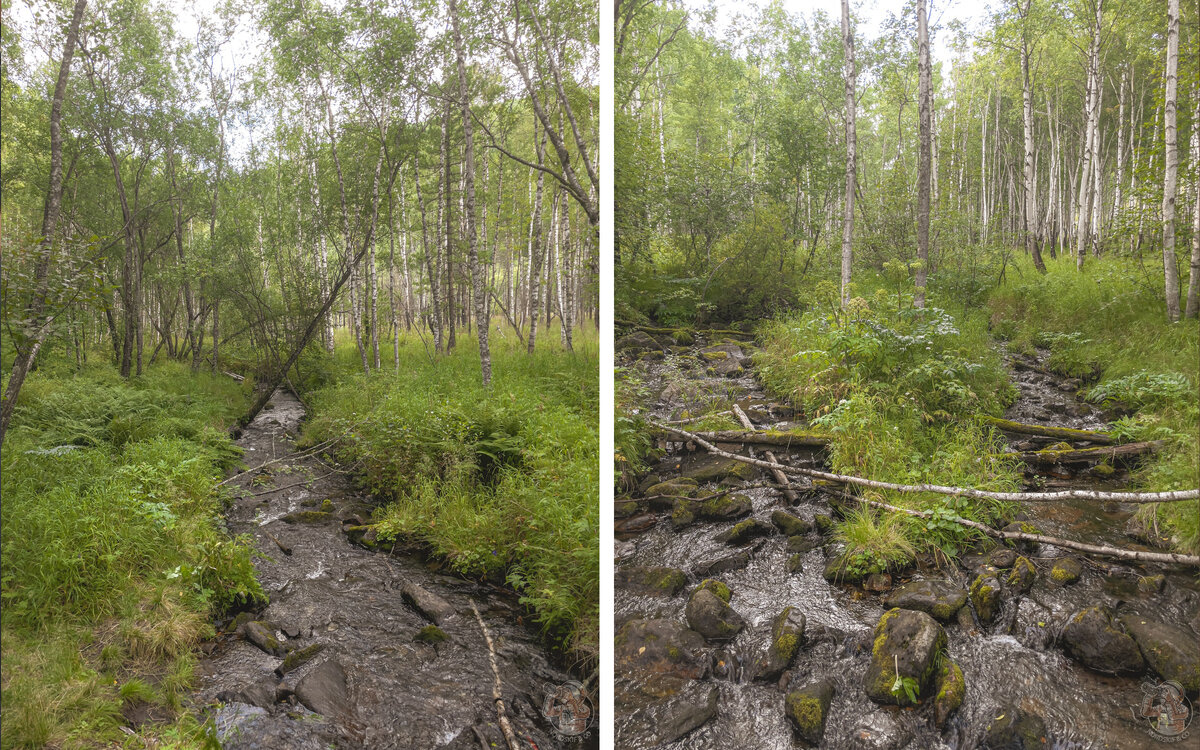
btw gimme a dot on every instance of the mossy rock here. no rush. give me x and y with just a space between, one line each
652 581
626 507
1102 471
712 618
327 505
824 523
713 356
431 635
1151 584
715 468
941 599
747 530
306 517
836 571
1023 575
801 544
1098 642
1066 571
262 634
787 633
718 588
732 505
684 513
910 640
299 658
788 524
664 495
950 689
1169 650
683 337
795 564
985 595
807 710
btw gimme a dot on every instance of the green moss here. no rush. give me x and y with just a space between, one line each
665 579
719 589
327 505
805 713
306 516
432 635
299 657
787 645
714 356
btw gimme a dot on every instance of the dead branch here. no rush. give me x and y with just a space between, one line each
501 717
1063 433
788 492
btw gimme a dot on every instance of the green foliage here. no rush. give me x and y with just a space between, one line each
497 482
874 542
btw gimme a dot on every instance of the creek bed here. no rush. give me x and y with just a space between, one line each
1015 660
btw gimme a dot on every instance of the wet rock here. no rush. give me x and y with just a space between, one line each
966 621
653 581
261 634
647 482
239 620
709 468
626 507
362 535
1014 728
795 563
324 691
736 561
682 716
665 495
298 658
727 368
712 618
431 635
985 595
1169 650
790 525
684 513
1022 576
1093 639
824 523
635 341
726 664
1066 571
807 709
261 694
801 544
725 508
1152 584
910 640
941 599
306 517
950 689
878 582
636 524
879 730
429 604
1002 557
662 647
745 531
787 633
718 588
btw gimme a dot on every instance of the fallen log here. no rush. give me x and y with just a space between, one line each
788 492
1091 549
1088 455
1036 497
506 729
778 439
1063 433
653 330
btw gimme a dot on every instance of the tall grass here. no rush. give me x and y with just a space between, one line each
501 481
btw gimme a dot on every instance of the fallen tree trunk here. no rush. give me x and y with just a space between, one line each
1087 455
1063 433
788 492
506 729
708 331
1035 497
1091 549
778 439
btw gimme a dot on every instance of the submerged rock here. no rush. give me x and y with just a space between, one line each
1093 639
745 531
324 691
1170 651
1066 571
736 561
429 604
787 633
795 563
306 517
1014 728
911 642
711 617
807 709
660 646
653 581
941 599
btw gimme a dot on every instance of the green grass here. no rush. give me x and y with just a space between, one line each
114 557
1108 324
498 482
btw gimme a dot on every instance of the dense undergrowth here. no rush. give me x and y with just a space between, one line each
1108 326
114 557
499 482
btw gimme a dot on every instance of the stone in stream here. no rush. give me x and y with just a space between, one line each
787 633
324 691
1025 527
879 730
878 582
636 524
745 532
717 587
1022 576
807 709
726 368
985 595
1066 571
1152 584
665 720
795 563
660 646
306 517
626 507
1093 639
1014 728
726 507
684 513
299 658
941 599
1002 557
838 571
788 524
636 341
431 635
711 617
664 495
913 642
429 604
801 544
709 468
949 690
261 634
823 523
652 581
261 694
736 561
1169 650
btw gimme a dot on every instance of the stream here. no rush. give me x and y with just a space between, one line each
377 675
677 690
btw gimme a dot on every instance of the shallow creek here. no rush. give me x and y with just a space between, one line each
373 684
1014 660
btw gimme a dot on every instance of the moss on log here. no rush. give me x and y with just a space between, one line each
1064 433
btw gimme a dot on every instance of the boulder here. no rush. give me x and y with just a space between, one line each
1093 639
711 617
985 595
1002 557
324 691
745 531
684 513
787 633
726 507
730 367
636 524
1066 571
790 525
838 571
941 599
824 523
910 640
660 646
807 709
1014 728
665 720
429 604
950 689
635 341
800 544
717 587
795 563
626 507
261 634
877 582
1022 575
1170 651
736 561
261 694
652 581
299 658
665 495
1152 584
709 468
879 730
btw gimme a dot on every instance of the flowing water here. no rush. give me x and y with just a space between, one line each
1013 661
397 692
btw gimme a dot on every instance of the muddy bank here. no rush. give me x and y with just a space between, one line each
702 670
361 648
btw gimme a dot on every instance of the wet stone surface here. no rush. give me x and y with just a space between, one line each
1015 661
378 679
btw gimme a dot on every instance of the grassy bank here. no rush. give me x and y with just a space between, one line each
499 482
1108 325
114 557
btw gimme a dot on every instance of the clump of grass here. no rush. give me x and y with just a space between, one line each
874 542
499 481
